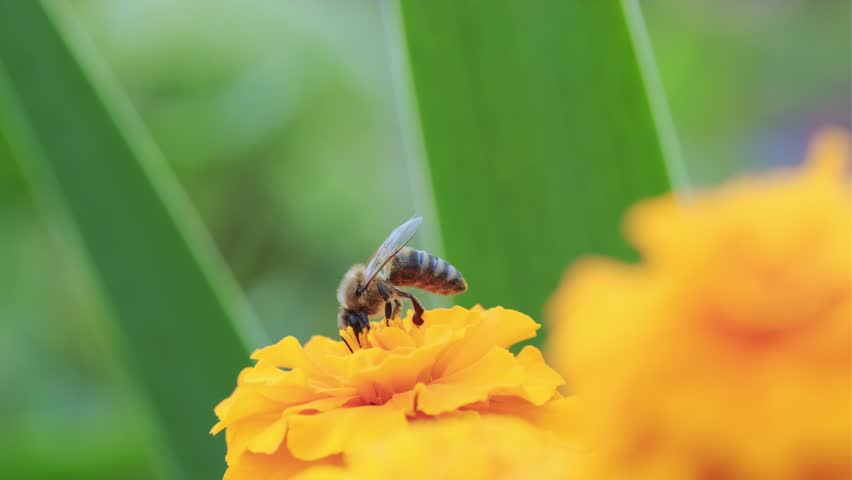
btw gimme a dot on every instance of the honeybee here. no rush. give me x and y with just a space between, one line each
364 289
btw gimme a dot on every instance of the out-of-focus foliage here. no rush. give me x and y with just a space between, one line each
538 132
283 197
178 310
63 398
749 82
279 122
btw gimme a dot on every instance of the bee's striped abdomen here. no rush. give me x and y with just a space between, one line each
418 269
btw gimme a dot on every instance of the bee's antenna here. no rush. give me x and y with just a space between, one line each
347 344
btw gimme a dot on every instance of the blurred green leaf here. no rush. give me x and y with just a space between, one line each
186 329
539 133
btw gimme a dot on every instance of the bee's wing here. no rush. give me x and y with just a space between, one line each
390 247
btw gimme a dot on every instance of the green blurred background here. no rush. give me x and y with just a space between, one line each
281 122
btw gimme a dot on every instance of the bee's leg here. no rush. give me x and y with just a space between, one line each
365 321
396 307
383 291
418 307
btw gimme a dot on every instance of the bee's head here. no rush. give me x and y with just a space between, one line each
349 291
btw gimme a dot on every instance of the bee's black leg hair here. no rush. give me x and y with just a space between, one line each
418 307
347 344
396 307
355 323
388 312
365 320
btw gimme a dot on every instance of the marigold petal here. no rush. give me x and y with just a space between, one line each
287 387
561 416
217 428
242 433
245 404
540 381
221 410
313 437
289 395
287 353
510 326
318 347
389 373
278 466
405 402
459 448
392 338
494 327
269 374
324 473
496 370
264 433
320 404
269 439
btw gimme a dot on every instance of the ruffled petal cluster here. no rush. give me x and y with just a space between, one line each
303 405
463 448
726 353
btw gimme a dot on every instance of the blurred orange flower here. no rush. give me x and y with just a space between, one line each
726 353
465 448
300 406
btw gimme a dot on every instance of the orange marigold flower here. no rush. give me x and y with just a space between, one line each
726 353
464 448
303 405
